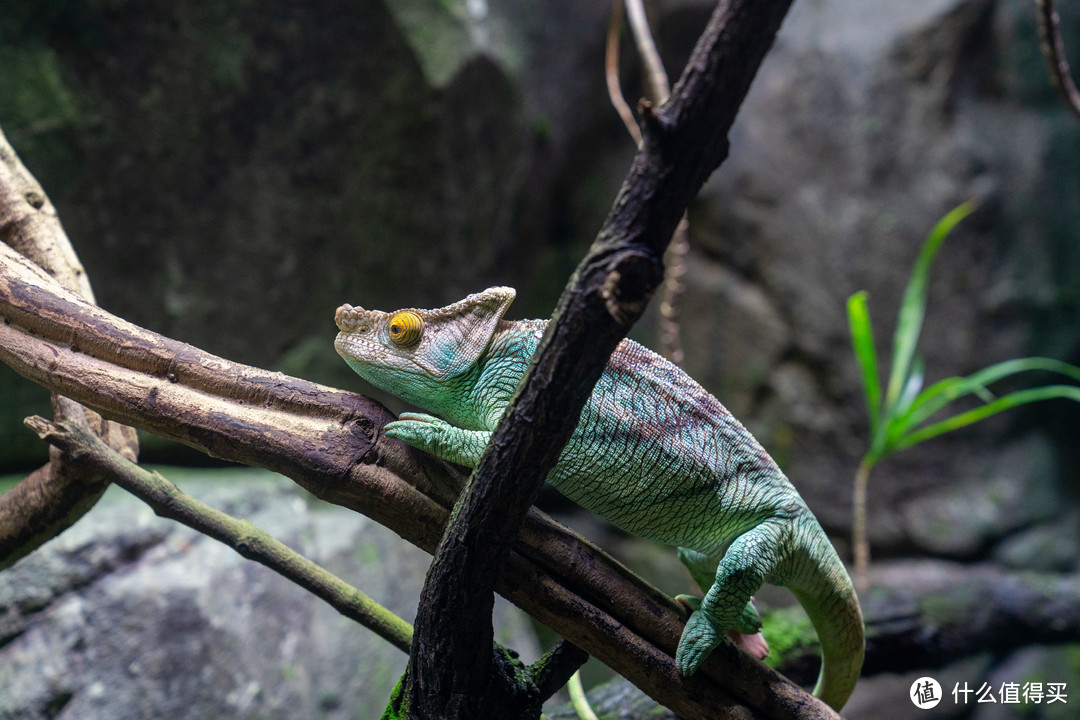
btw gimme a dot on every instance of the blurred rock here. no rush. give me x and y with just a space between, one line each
128 616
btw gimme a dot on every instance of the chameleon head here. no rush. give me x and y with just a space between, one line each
412 351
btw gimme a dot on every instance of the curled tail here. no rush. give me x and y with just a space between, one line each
833 607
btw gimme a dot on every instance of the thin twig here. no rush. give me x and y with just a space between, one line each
611 73
859 535
657 87
578 700
1054 51
88 451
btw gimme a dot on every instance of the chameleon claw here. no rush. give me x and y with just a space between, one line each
697 641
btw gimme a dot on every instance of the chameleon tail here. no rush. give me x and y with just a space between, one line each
833 608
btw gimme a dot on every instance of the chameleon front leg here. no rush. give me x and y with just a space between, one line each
751 557
440 438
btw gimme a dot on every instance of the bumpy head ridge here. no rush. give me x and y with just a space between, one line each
436 343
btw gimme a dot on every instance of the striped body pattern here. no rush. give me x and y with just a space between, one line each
653 453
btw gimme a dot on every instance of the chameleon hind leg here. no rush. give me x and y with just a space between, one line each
751 557
703 570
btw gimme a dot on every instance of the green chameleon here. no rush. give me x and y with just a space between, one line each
653 453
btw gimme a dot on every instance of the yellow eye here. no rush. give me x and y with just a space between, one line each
406 327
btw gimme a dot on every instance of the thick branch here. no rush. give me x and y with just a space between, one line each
53 497
932 613
684 141
328 441
927 613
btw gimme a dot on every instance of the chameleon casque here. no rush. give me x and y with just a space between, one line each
653 453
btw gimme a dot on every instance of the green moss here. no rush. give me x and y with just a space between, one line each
941 610
788 632
397 708
436 34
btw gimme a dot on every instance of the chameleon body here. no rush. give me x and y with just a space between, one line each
653 453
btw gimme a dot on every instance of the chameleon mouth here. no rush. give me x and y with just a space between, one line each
349 343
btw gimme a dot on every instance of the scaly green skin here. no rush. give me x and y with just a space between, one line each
653 453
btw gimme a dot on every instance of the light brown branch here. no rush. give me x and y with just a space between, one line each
56 495
611 73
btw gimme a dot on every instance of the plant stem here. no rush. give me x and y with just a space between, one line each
578 699
859 539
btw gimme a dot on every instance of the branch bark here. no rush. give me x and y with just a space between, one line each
928 613
925 614
328 441
683 142
54 496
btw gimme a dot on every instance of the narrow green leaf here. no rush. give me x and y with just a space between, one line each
862 338
913 305
897 419
911 387
1014 399
940 394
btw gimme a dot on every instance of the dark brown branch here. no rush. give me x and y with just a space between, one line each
53 497
328 441
928 613
931 613
684 141
1054 51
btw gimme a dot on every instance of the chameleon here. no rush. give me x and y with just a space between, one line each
653 453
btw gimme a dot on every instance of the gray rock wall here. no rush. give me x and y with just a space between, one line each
232 171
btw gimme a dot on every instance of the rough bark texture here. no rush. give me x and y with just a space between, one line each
55 495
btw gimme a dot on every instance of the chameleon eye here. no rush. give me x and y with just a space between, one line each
406 328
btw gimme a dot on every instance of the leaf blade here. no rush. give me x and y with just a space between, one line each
941 393
862 340
913 304
1013 399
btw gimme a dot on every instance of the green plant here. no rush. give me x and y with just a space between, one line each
902 417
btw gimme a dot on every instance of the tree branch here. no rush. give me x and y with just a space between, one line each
684 141
931 613
328 441
54 496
